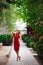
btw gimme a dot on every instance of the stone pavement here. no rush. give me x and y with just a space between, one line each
3 52
26 57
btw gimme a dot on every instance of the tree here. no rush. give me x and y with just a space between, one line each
31 11
5 15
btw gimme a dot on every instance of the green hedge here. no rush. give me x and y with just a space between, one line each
27 39
6 39
3 38
38 47
32 45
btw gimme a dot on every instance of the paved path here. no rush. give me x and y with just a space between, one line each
26 57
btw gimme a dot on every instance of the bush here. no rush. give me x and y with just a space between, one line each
40 48
26 39
32 44
35 46
6 39
23 38
3 38
9 39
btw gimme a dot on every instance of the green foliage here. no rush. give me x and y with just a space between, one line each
6 15
38 47
31 11
32 44
2 38
6 39
9 21
1 16
5 5
9 39
27 39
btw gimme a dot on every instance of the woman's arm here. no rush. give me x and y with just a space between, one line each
13 33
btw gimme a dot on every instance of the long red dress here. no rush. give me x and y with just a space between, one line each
16 43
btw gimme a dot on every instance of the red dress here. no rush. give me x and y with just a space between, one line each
16 43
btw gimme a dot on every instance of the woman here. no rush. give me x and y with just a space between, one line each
17 43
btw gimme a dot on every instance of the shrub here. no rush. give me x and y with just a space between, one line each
3 38
40 50
32 44
40 47
9 39
23 38
6 39
26 39
35 46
